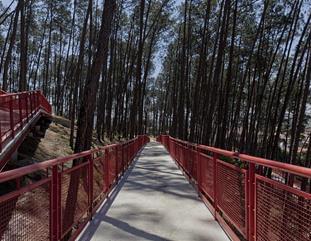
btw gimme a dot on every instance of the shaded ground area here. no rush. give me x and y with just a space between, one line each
54 144
37 148
154 202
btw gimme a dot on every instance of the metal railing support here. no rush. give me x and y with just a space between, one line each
90 181
55 211
251 201
215 157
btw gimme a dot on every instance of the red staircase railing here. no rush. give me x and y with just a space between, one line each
247 204
16 110
38 198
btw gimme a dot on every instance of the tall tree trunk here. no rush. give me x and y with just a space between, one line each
88 104
137 85
11 45
23 48
77 74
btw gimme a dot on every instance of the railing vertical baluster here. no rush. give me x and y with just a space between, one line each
90 180
251 201
26 106
35 97
106 164
103 163
33 102
38 99
199 170
215 157
168 144
122 156
11 116
117 162
20 111
128 154
30 102
132 151
55 205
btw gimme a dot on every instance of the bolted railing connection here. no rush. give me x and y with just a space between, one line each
247 204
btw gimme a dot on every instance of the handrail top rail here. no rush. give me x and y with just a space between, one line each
294 169
16 173
45 105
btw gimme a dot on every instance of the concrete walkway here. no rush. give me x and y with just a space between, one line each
154 202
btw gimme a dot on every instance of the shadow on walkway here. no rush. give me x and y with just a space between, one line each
154 201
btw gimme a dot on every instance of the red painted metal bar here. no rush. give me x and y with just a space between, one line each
36 210
17 110
247 205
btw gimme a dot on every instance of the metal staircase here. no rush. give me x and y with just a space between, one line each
19 113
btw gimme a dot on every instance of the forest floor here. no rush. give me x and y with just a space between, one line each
54 144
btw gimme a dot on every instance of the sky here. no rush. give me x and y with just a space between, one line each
6 2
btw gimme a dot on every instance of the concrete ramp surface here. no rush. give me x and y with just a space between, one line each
154 202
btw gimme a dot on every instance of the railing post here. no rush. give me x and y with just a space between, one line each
90 180
122 157
31 103
169 145
11 117
117 162
26 106
128 151
35 98
55 205
215 157
39 99
20 111
199 169
132 151
251 202
125 147
106 165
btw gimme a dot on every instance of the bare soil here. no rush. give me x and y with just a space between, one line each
54 144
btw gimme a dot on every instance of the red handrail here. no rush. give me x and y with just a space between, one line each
246 203
18 110
41 209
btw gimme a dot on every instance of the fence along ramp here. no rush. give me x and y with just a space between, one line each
247 204
63 194
18 112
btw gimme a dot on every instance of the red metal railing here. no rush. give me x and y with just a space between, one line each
17 110
247 204
54 200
